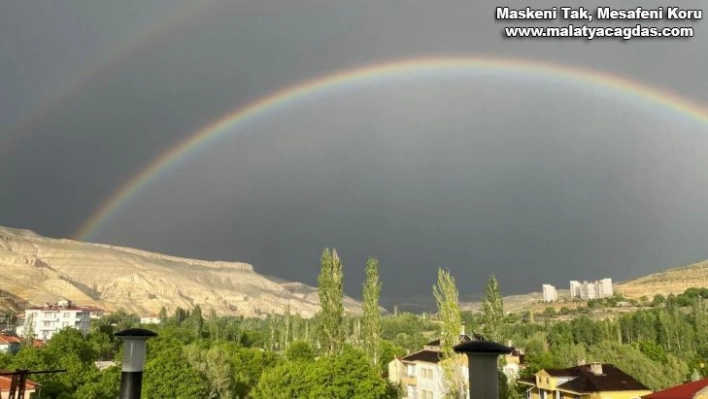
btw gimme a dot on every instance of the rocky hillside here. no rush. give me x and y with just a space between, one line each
35 270
670 281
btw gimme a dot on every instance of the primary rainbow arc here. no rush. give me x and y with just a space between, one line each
339 81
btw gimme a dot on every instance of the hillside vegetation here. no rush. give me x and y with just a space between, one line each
670 281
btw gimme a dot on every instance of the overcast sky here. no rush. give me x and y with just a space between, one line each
537 180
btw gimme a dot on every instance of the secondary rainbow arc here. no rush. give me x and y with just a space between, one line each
100 66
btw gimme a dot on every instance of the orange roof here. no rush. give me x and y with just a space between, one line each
6 380
681 391
9 339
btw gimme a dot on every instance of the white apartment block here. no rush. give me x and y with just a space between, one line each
606 287
591 289
550 293
47 320
574 289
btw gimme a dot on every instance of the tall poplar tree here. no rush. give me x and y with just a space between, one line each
493 311
446 296
331 295
371 327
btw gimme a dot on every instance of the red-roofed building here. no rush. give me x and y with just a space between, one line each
691 390
6 381
9 343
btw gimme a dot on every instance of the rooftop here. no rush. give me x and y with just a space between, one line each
423 356
66 305
9 339
687 391
611 379
6 380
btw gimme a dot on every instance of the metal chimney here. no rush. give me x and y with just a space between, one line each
134 346
483 370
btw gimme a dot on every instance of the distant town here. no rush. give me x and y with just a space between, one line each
585 290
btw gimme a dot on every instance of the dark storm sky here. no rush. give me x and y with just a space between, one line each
534 180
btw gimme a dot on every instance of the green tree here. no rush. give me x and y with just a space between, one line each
162 315
331 295
389 351
169 374
28 335
493 311
372 315
249 364
291 380
346 376
300 351
631 360
103 385
446 297
197 320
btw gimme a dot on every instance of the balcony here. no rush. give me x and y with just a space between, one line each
409 380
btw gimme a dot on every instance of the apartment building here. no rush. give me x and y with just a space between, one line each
420 374
550 294
591 289
47 320
606 288
574 289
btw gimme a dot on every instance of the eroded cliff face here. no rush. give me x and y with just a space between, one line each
35 270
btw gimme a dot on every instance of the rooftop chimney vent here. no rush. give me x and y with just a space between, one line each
596 368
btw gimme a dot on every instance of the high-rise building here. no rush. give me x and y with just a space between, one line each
606 287
550 293
574 289
591 289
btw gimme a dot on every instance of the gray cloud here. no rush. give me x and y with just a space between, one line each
533 180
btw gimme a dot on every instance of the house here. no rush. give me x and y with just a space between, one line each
6 382
151 319
514 363
9 343
585 381
105 364
421 376
95 313
691 390
47 320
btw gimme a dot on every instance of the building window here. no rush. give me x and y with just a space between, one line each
427 374
411 391
425 394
